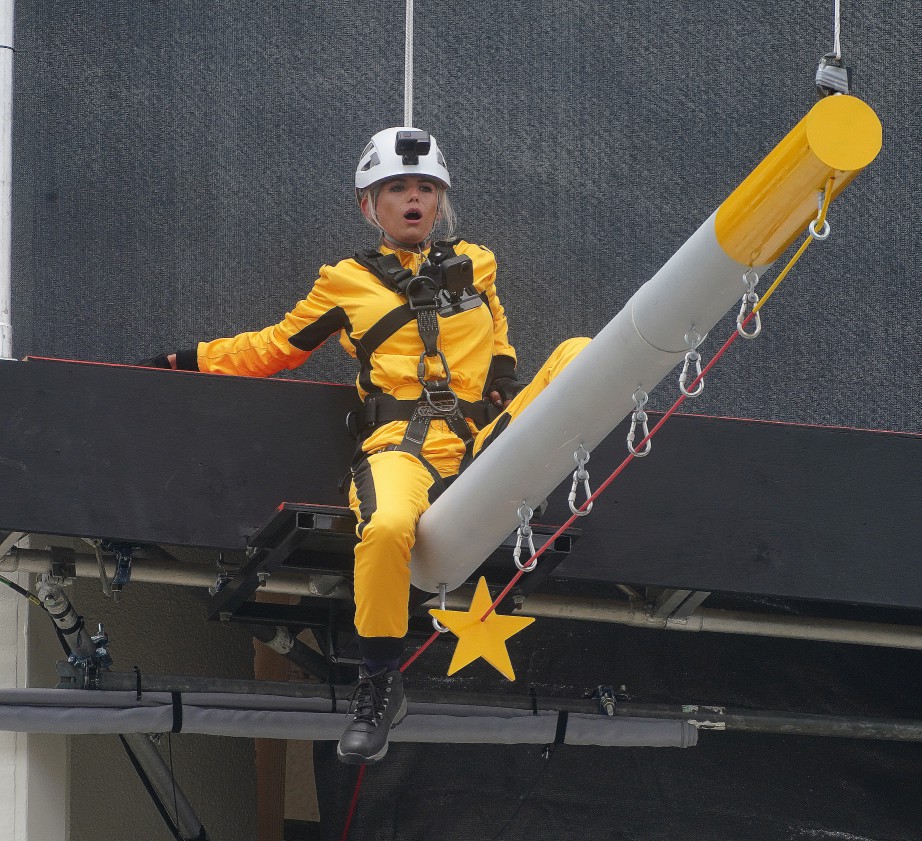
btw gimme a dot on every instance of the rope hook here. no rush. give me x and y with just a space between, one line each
524 535
581 456
693 339
639 417
435 622
747 306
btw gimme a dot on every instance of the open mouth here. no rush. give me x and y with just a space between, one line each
412 216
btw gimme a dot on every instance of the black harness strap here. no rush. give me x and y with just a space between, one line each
384 329
437 401
177 712
379 409
387 268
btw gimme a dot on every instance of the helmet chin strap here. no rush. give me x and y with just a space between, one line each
405 246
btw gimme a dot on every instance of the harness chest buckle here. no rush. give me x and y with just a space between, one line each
441 401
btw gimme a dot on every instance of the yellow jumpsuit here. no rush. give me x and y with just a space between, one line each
390 489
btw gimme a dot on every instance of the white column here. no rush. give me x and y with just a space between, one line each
6 175
13 748
34 779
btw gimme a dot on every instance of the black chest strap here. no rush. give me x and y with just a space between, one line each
437 401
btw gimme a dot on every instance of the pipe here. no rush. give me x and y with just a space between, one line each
540 605
726 622
6 179
314 711
161 779
664 319
316 719
159 571
283 642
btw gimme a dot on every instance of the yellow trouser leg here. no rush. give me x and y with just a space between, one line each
563 354
390 490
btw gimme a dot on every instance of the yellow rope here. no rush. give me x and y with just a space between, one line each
820 220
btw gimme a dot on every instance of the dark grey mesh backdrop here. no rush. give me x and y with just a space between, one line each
182 169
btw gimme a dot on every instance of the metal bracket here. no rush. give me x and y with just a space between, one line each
10 541
63 563
677 604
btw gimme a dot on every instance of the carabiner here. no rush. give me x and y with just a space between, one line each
523 534
581 456
639 417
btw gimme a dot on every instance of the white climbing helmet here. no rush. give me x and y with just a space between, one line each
401 150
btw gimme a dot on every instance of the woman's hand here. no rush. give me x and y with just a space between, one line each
161 360
503 390
497 399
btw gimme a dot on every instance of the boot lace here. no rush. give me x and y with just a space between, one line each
367 701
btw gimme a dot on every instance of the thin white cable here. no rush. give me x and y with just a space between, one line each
408 67
6 178
837 48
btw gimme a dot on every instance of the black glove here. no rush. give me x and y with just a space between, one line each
161 360
508 388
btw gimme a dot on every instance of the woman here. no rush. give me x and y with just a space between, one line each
437 380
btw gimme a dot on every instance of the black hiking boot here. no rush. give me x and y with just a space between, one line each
378 704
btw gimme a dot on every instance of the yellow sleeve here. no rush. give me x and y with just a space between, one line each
485 282
288 344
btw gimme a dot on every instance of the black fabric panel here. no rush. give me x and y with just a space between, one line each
765 787
187 359
504 420
385 328
381 648
365 490
502 366
172 171
317 333
154 456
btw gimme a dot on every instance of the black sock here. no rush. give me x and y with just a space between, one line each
373 666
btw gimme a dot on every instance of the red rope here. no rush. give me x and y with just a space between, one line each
552 538
419 651
358 782
354 803
618 469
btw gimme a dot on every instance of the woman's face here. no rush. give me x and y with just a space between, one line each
406 208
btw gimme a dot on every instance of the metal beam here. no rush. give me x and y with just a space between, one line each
630 613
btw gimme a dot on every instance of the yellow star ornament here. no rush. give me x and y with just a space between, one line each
485 639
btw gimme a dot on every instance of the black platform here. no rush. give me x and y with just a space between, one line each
192 459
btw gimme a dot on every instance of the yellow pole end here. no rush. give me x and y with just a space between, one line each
837 138
844 133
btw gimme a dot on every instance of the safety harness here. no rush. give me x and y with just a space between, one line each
443 286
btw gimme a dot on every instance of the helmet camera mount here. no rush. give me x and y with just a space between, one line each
411 144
